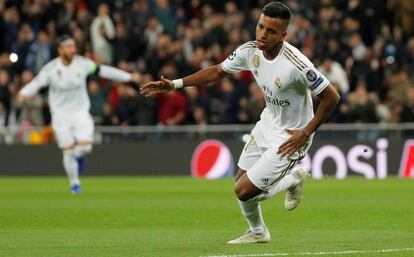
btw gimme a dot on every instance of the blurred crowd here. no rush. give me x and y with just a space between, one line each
365 48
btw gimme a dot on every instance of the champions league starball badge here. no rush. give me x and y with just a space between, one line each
311 75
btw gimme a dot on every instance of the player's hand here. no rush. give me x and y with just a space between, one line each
293 144
154 87
20 98
136 77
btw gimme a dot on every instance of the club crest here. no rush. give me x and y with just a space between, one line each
256 61
278 83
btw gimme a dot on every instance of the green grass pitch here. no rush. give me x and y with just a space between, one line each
163 216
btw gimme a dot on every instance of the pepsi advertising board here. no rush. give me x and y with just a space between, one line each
330 155
377 159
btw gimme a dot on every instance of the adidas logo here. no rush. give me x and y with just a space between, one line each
265 181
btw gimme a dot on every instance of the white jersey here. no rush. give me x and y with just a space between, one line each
287 82
68 93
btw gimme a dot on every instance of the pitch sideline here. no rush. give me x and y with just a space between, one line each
345 252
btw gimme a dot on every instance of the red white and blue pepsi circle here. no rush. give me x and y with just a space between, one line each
212 159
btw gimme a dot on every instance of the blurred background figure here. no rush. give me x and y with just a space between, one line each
69 102
102 32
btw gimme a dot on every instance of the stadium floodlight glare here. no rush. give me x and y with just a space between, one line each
13 57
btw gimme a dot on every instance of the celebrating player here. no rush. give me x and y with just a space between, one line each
69 102
286 127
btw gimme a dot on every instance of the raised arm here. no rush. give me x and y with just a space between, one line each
207 75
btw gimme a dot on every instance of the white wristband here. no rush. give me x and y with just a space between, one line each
178 83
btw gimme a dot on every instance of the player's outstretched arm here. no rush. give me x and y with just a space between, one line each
31 88
154 87
204 76
113 73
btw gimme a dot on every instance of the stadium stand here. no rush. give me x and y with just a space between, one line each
366 49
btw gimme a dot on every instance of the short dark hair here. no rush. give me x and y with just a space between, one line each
62 39
277 10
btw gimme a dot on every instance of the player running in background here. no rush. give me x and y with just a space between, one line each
286 127
69 102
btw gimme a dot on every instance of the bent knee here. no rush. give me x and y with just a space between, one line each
83 149
243 194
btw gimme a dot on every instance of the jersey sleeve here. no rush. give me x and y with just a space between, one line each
88 65
236 61
41 80
114 73
313 79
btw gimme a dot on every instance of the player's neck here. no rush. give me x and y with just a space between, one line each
65 61
270 55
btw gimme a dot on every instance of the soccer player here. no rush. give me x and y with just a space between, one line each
69 102
287 125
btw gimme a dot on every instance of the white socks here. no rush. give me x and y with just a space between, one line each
253 214
71 167
251 208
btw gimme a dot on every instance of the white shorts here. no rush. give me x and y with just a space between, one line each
264 166
69 130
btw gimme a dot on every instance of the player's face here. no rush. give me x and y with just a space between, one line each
68 51
270 32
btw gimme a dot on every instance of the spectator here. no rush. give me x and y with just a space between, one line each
334 72
122 44
4 91
359 107
372 42
22 45
165 14
3 115
172 108
98 98
39 53
108 117
125 107
102 32
407 112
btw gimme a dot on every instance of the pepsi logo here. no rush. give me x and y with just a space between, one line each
212 159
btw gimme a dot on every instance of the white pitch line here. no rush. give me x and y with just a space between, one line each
317 253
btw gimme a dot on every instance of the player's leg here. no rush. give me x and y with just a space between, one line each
292 182
288 183
250 209
81 149
294 192
84 136
257 232
66 142
71 168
